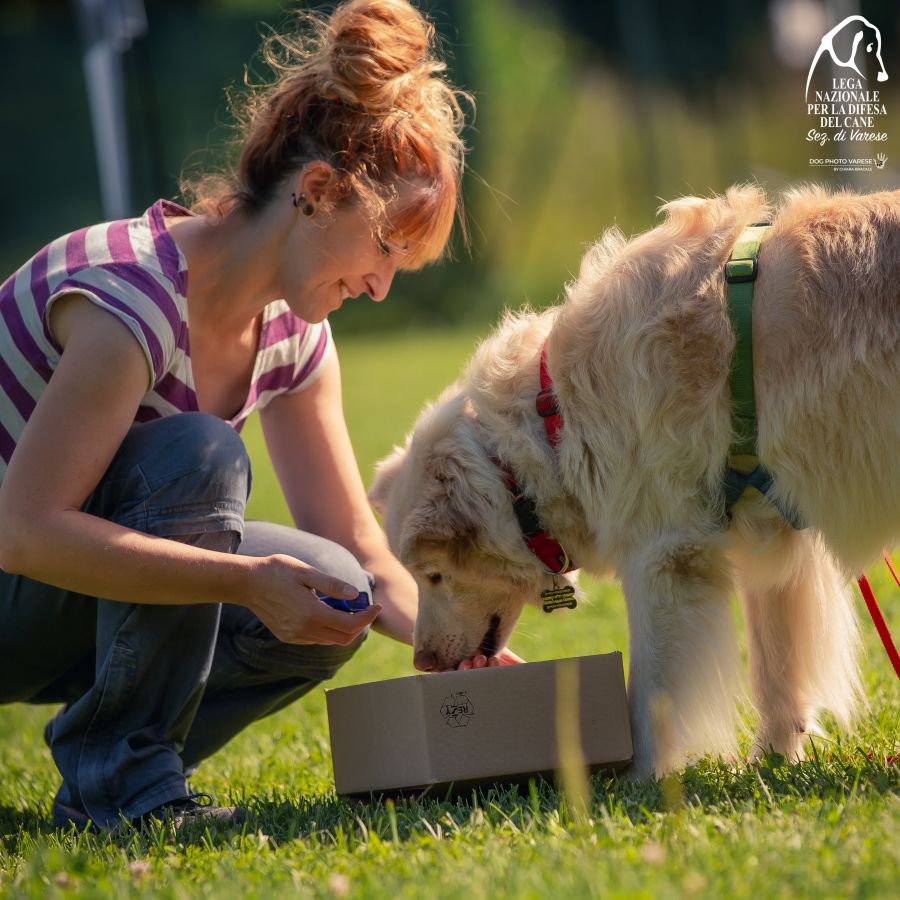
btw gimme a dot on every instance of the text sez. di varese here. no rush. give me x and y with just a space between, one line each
847 106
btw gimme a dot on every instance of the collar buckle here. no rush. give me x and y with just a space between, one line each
546 403
565 564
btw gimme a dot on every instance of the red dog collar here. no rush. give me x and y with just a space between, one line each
548 550
546 403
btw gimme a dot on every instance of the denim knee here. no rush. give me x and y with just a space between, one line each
314 662
256 645
268 538
183 474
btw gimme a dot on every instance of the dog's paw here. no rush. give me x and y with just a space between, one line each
790 743
638 773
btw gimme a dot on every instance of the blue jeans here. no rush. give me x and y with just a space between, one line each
151 690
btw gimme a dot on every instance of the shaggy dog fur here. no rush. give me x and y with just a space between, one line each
639 355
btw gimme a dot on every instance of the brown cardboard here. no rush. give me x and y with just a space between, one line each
460 729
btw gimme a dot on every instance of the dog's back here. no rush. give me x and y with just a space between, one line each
826 365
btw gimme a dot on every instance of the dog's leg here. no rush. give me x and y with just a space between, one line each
803 640
683 671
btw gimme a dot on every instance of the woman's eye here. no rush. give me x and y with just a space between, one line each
434 577
384 248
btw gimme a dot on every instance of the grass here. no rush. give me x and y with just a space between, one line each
826 827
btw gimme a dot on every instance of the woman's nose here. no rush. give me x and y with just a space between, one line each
379 283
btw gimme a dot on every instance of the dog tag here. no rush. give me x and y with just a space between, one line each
558 597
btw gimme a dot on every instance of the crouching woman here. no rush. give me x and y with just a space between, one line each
133 590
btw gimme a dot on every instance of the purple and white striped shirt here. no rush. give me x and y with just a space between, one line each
134 269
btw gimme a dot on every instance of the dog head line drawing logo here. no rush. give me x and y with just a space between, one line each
457 709
873 45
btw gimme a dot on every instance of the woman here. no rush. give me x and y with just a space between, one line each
130 354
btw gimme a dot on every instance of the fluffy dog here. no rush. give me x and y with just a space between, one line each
639 355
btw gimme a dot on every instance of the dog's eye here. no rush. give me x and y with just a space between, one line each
434 577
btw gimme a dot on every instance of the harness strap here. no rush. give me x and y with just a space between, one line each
740 273
744 469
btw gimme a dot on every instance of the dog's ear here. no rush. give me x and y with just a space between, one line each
386 473
435 527
443 522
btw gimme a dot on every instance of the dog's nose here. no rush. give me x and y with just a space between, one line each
425 660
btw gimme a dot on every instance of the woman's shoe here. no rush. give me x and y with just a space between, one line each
66 816
195 808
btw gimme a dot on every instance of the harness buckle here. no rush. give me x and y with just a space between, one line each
740 271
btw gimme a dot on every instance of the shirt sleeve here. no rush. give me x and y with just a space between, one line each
139 299
315 345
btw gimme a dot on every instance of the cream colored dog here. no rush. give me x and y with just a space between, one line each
639 355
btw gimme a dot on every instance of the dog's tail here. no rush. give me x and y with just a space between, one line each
826 603
803 638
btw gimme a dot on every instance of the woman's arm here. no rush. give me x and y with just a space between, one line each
307 439
68 443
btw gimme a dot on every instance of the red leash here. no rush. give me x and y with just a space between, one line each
878 618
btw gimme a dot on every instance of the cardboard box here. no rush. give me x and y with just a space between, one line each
457 730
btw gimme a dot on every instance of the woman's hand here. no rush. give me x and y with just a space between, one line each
503 658
283 600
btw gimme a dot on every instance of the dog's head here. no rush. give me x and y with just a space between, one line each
450 521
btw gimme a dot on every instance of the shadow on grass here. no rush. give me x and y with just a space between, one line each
773 781
541 807
538 808
13 822
19 826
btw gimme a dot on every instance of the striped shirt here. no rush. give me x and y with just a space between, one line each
135 270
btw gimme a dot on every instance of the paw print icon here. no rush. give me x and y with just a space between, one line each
880 161
457 709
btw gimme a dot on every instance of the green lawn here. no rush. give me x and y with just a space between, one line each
824 828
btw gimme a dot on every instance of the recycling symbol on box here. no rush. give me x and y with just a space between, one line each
457 709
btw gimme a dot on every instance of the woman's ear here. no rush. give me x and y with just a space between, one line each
317 183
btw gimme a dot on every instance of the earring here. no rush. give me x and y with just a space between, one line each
308 208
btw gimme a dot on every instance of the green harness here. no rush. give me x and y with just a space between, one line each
744 468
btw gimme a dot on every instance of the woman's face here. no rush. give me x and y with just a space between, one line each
327 258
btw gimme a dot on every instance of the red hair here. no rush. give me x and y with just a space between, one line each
362 90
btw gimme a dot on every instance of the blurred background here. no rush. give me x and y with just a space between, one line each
588 114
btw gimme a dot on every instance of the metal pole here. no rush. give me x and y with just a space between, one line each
107 29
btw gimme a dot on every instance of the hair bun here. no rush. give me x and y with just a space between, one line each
362 90
378 55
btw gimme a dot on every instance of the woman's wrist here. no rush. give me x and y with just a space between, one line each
242 579
397 592
373 553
